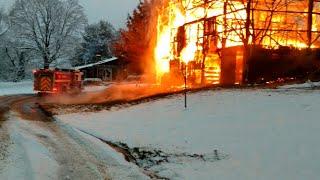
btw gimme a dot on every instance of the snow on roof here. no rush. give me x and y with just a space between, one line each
97 63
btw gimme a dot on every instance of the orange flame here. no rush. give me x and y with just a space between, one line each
229 27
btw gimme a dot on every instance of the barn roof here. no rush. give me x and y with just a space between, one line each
97 63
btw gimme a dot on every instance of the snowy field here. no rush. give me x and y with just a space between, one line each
258 134
11 88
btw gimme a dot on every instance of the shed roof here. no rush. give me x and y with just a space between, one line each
97 63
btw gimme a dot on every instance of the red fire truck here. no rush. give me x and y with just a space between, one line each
57 81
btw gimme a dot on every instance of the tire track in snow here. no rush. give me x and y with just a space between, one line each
74 161
5 141
29 120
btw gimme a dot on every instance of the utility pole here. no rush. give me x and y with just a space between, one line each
247 51
185 86
225 24
310 19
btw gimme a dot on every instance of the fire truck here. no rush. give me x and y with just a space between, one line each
57 81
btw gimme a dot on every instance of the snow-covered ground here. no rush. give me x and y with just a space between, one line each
49 150
25 157
26 87
11 88
258 134
306 85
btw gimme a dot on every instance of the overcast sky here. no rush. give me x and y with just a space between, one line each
115 11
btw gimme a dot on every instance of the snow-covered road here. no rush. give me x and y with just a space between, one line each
42 150
264 134
32 146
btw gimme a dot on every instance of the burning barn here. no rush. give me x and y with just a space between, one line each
231 41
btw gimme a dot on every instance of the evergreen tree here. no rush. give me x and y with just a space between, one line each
135 41
97 41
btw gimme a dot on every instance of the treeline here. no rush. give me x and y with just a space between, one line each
55 33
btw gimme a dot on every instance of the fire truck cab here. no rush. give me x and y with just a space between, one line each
57 81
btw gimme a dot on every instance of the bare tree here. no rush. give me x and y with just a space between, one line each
14 56
48 27
4 23
18 59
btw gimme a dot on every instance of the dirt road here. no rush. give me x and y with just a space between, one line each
20 115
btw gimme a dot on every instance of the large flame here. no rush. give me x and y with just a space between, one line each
230 28
164 38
